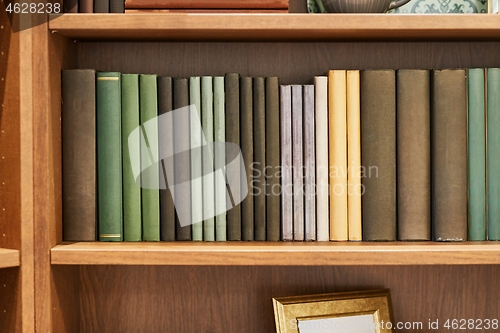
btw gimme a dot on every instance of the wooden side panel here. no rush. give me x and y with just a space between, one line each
10 175
238 299
51 53
293 63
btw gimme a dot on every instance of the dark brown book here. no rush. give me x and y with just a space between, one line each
182 161
449 155
117 6
86 6
378 154
259 169
208 4
71 6
232 85
79 155
167 209
414 154
247 150
101 6
273 190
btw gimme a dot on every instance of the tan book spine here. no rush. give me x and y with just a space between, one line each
337 108
354 187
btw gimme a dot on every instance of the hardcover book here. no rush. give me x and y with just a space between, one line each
286 163
449 155
493 153
207 121
414 154
220 158
247 150
309 163
378 154
259 166
297 163
109 156
79 188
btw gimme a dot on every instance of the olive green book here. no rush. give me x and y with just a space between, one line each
220 158
149 156
132 225
196 160
109 156
259 168
207 122
247 150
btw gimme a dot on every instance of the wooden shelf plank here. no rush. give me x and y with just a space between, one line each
285 27
276 254
9 258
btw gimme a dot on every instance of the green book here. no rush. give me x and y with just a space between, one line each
493 123
207 111
196 160
259 158
149 158
132 226
476 156
109 156
247 147
220 158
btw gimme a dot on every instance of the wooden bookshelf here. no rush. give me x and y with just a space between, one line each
190 287
276 254
283 27
9 258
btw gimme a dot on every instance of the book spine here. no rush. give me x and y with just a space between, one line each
79 155
476 155
259 165
449 155
132 226
196 160
298 164
247 150
150 193
207 110
337 104
109 156
101 6
272 175
182 161
208 4
493 154
220 159
354 187
413 155
166 141
309 164
117 6
378 154
86 6
322 190
286 163
232 101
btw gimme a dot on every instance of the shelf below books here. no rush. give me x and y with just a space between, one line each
277 254
9 258
286 27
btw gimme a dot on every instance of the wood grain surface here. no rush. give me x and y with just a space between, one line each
272 27
238 299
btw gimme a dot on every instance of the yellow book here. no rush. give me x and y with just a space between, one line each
354 187
337 114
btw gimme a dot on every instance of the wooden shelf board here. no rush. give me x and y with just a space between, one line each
276 254
9 258
268 27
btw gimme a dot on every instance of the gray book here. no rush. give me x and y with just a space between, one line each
220 159
286 163
298 164
207 121
196 160
309 164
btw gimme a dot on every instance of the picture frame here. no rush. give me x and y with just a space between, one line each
353 312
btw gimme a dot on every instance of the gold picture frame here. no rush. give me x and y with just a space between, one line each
335 313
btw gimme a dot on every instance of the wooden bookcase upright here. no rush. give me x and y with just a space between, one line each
165 287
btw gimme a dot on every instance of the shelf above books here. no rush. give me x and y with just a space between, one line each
276 254
273 27
9 258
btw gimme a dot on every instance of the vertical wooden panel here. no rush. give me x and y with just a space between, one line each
10 190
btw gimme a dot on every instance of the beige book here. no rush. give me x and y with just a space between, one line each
337 109
354 187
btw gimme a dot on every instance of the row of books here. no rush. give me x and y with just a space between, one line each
175 6
376 155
